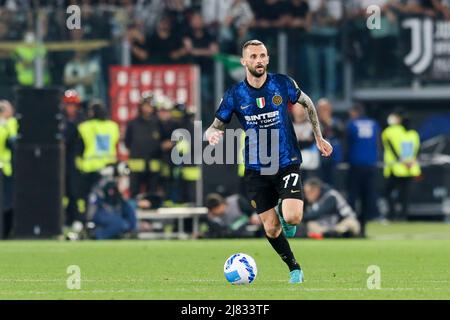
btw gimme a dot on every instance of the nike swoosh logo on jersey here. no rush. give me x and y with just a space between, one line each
243 108
295 191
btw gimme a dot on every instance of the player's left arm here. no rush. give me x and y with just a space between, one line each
324 146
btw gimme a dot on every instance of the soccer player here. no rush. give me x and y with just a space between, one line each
261 103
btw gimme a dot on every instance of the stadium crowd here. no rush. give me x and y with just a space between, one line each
196 31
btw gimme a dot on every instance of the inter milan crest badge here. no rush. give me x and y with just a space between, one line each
261 102
277 100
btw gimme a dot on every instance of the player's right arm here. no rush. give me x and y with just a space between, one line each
223 116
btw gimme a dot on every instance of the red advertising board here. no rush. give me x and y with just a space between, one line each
127 84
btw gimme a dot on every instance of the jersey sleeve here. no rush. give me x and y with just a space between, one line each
293 89
226 108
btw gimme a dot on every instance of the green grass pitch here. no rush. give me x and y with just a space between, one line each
414 260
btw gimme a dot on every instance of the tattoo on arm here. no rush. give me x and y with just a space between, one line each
307 103
217 125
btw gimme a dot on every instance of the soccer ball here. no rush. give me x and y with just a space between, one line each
240 268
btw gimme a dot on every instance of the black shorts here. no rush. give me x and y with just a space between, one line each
265 190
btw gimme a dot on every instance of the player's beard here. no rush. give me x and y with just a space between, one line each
255 73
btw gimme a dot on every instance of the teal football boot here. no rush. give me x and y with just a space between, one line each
289 230
296 276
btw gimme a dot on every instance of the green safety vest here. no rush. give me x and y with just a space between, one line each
5 152
13 126
138 165
191 173
397 140
100 138
25 73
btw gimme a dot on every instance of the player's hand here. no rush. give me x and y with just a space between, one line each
214 137
324 147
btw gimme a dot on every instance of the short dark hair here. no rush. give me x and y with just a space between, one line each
314 182
98 110
253 42
359 108
213 200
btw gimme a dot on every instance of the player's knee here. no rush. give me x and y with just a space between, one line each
273 231
294 217
293 212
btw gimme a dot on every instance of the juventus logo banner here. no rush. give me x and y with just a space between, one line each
429 56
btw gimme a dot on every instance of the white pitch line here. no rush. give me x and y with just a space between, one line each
63 280
190 290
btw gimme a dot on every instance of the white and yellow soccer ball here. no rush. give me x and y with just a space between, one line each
240 268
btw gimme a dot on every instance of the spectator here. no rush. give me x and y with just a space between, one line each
7 80
57 31
187 175
24 56
268 18
297 15
363 136
327 213
148 13
214 12
401 147
94 25
177 11
322 48
237 19
113 216
297 18
164 46
137 43
82 73
143 139
18 21
97 142
332 130
268 14
306 141
164 108
201 46
229 217
382 42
